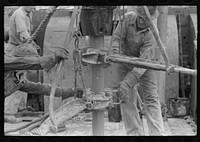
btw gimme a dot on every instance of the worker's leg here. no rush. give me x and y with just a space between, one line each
148 83
44 89
130 115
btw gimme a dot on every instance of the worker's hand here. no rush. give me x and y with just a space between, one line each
49 61
61 53
123 90
114 50
71 92
79 92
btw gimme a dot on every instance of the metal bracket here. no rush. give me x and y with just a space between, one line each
94 56
101 101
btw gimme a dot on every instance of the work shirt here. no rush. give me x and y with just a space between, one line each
19 26
15 80
134 43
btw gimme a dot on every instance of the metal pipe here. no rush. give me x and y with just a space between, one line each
97 42
149 64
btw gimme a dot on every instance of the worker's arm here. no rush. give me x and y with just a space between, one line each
44 89
147 51
21 27
28 63
34 63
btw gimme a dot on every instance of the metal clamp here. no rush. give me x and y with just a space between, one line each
101 101
94 56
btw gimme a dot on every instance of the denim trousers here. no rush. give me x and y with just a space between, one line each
129 110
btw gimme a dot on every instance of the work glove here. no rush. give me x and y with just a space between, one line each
114 50
71 92
123 87
60 54
49 61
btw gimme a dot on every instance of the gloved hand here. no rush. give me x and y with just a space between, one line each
129 81
49 61
114 50
71 92
61 53
79 93
123 89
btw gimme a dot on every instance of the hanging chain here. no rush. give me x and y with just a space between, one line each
77 55
77 64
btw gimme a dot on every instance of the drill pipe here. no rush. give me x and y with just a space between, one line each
148 64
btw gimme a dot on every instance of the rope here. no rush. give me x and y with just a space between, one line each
121 22
42 25
52 93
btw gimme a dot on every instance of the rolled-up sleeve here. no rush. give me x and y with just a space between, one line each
147 51
117 34
22 63
21 27
44 89
29 63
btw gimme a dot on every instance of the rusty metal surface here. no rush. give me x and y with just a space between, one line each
96 21
179 107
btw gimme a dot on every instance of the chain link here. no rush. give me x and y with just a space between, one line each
77 63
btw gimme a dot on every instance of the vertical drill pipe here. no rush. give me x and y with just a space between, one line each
97 87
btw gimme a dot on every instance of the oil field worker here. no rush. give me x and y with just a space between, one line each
20 26
137 41
28 59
